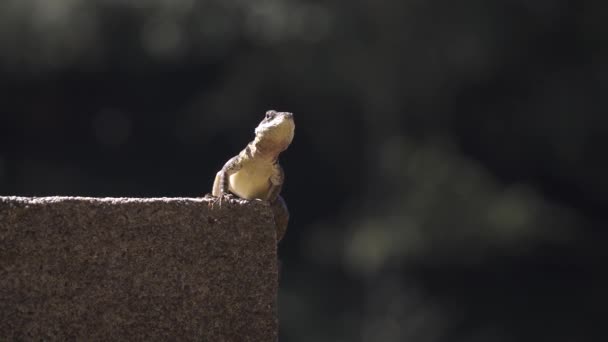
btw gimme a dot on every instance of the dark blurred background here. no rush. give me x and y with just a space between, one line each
447 178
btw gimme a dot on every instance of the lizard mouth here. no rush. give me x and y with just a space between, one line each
275 133
279 124
284 131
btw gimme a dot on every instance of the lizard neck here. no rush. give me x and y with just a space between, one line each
265 149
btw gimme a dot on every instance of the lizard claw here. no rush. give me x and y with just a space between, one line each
221 199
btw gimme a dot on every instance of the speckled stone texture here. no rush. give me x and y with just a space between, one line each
124 269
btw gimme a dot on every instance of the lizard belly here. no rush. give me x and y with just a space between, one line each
251 182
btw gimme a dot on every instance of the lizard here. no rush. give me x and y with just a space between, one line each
255 173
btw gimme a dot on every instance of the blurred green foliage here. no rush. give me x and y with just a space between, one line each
447 178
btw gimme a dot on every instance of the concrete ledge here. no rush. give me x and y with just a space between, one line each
124 269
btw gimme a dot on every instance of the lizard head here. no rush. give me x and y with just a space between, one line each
276 130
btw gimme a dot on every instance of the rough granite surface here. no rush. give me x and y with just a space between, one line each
125 269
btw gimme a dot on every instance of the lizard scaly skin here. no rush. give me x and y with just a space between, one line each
255 173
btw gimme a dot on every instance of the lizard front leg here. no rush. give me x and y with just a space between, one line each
276 183
222 178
